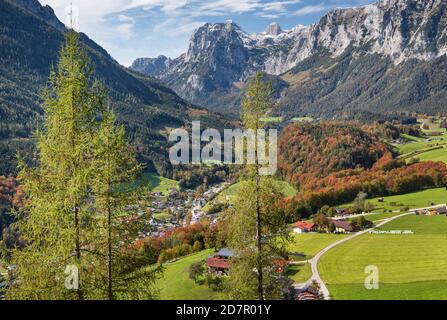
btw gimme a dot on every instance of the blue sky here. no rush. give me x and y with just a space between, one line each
129 29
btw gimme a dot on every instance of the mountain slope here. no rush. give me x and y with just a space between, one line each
376 57
30 39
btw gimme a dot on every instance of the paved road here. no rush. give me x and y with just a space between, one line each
314 261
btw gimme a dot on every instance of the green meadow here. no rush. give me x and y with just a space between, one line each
434 155
304 246
230 193
272 119
158 183
175 283
410 266
420 199
299 273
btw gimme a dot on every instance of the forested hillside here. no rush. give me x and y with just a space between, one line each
29 45
331 163
308 151
356 84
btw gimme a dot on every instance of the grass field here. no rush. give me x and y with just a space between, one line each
410 266
434 155
232 191
176 284
272 119
376 217
163 216
299 273
419 225
305 246
420 199
157 183
424 148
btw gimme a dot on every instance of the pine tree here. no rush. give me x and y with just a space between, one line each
77 216
257 229
115 198
55 217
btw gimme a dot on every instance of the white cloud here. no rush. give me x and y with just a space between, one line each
310 9
125 30
233 6
177 26
269 16
279 6
124 18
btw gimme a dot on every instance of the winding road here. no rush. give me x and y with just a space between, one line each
314 261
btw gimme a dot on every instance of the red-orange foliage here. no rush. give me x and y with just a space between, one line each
332 162
10 191
309 151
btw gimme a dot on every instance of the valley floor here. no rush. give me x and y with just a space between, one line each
413 264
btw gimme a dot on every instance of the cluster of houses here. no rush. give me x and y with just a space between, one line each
179 205
198 204
174 202
341 226
432 211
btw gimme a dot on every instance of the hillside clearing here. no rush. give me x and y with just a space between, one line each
176 284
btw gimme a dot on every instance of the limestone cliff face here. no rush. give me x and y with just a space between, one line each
221 56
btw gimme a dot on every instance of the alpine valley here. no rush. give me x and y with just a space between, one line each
30 40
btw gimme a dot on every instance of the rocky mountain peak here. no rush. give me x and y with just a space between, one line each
45 13
273 29
152 66
221 56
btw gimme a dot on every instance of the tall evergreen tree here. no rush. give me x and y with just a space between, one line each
115 199
55 219
74 223
258 231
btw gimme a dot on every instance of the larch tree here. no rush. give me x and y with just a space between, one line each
55 220
74 225
257 228
116 198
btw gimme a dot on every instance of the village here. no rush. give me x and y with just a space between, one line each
178 208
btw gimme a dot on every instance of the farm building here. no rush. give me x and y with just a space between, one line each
303 227
342 226
220 262
341 212
441 210
308 293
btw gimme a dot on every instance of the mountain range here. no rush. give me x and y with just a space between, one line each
387 57
30 39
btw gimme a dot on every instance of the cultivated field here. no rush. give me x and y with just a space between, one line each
410 266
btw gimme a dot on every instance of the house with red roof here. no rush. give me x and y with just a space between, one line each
303 227
220 262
